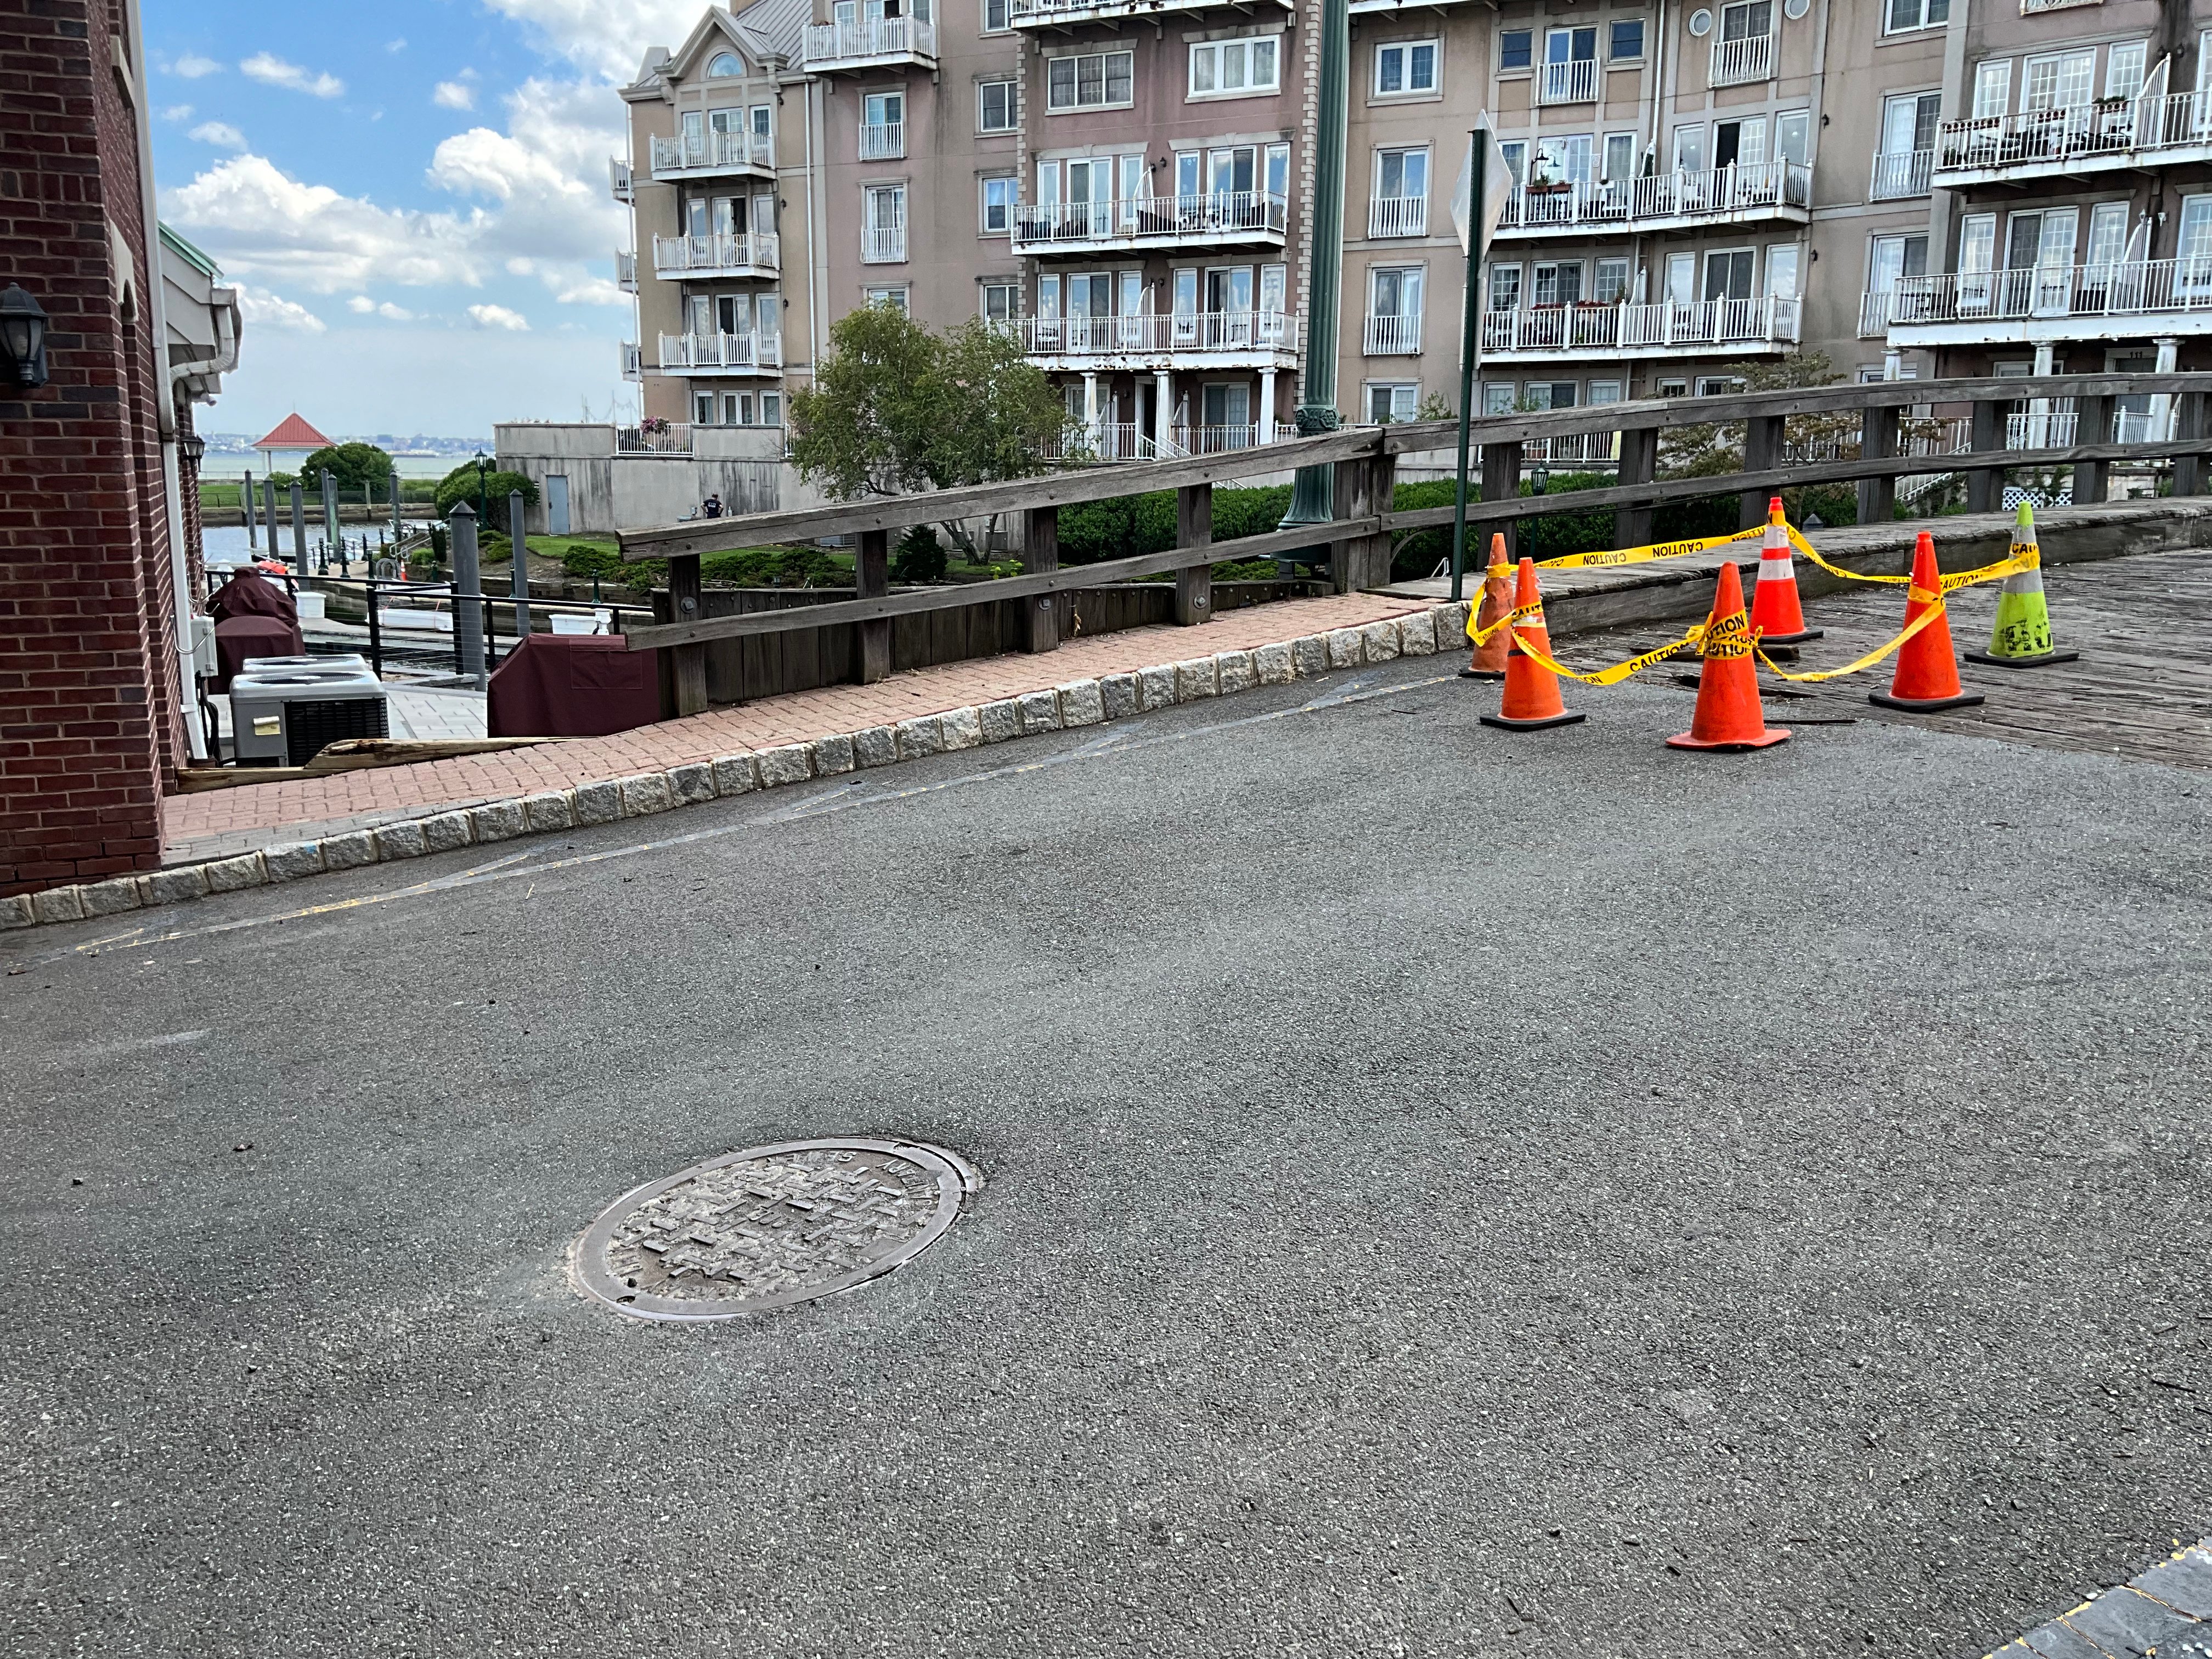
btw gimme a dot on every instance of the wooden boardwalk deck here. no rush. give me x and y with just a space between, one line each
2142 688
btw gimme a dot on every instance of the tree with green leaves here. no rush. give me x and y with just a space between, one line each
352 467
460 485
896 409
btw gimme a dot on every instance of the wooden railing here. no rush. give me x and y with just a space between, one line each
1357 544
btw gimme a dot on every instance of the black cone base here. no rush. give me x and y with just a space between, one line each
1793 639
1505 725
1924 705
2043 661
1482 673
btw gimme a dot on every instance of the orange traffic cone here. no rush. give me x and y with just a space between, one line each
1927 673
1728 714
1775 615
1488 662
1532 690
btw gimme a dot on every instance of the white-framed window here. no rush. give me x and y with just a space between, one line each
1506 287
1514 152
997 106
1891 258
2058 79
997 200
1604 391
1908 122
1556 281
1516 52
1672 388
883 223
1236 69
702 408
1090 80
1718 385
1499 397
1392 400
1746 20
1901 15
2108 235
723 65
1690 149
1728 273
771 409
1625 40
997 16
893 299
1992 88
1402 175
999 302
1620 157
1609 283
1782 265
1405 66
1541 395
1793 136
2124 68
1394 291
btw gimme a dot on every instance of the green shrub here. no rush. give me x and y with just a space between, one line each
920 556
351 466
460 485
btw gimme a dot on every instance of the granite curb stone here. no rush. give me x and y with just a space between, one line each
597 802
449 832
498 820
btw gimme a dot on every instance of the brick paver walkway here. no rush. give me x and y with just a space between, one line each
222 822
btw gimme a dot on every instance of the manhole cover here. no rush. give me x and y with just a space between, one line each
769 1226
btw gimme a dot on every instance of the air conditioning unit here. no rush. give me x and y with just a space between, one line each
284 710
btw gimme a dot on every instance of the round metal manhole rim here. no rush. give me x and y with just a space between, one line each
954 1178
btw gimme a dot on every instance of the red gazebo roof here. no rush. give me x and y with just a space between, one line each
293 433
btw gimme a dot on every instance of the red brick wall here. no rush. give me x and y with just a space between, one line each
88 716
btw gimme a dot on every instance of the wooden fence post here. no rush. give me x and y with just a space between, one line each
2093 424
1040 553
2189 422
1764 446
687 663
1193 601
1878 440
1501 482
1639 463
1985 484
1370 558
871 580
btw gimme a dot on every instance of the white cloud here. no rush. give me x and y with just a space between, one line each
263 309
220 134
260 222
453 95
591 291
268 67
400 45
192 66
499 317
362 305
610 40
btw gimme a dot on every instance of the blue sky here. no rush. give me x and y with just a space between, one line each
411 197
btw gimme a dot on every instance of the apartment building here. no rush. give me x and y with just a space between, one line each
1910 186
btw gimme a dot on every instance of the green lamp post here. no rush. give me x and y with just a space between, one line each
1313 498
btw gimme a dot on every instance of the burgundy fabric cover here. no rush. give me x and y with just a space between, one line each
253 618
573 685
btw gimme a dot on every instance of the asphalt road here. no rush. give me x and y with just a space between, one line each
1448 1194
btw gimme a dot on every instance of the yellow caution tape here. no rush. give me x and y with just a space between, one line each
1925 619
1618 671
1650 555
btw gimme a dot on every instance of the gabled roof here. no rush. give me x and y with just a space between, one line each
775 28
293 433
766 29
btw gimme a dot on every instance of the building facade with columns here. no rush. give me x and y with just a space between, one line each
1128 184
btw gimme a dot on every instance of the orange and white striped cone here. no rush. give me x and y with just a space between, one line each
1775 617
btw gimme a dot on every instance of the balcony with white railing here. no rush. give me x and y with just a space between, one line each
882 244
757 352
715 151
1238 218
759 254
1736 328
1762 192
1212 339
883 141
1065 14
868 43
1574 82
657 438
618 178
1875 310
1391 337
626 272
1741 62
2122 301
2111 135
1398 215
1899 177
